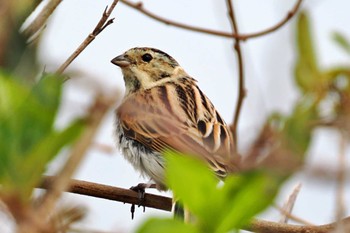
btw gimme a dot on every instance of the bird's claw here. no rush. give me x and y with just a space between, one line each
140 189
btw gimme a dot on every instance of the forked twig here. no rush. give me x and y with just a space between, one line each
101 25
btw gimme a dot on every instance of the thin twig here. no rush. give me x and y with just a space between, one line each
96 114
139 7
293 217
101 25
164 203
241 88
104 148
289 204
289 15
40 20
325 173
340 206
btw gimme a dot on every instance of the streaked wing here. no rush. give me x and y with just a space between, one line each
179 116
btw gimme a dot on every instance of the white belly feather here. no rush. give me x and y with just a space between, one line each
143 159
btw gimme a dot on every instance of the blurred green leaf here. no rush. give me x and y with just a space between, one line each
28 114
334 73
166 225
308 77
186 173
34 163
341 41
28 139
12 95
299 126
219 208
21 58
246 195
16 55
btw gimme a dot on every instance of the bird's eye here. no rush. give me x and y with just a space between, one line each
147 57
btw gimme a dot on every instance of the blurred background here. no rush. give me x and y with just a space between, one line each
269 77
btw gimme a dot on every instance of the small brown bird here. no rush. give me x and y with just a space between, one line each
163 108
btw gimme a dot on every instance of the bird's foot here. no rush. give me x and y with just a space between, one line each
140 189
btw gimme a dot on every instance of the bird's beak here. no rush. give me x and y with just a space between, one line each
121 61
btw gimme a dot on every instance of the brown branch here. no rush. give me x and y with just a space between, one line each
289 15
165 203
241 88
139 7
112 193
101 25
40 20
263 226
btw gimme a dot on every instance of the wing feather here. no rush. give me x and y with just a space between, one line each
178 116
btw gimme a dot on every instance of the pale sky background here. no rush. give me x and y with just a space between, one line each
268 65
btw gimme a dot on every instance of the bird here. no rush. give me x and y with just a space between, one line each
163 108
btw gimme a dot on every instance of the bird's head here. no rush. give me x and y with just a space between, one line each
144 68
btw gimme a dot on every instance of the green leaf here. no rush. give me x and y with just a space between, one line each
27 115
28 140
307 74
20 57
12 95
17 55
299 126
246 195
34 163
166 225
338 72
218 208
341 41
195 185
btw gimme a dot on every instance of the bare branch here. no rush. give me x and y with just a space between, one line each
112 193
101 25
241 88
263 226
340 200
39 22
165 203
289 15
139 7
289 204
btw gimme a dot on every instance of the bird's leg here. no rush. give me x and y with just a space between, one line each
140 189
